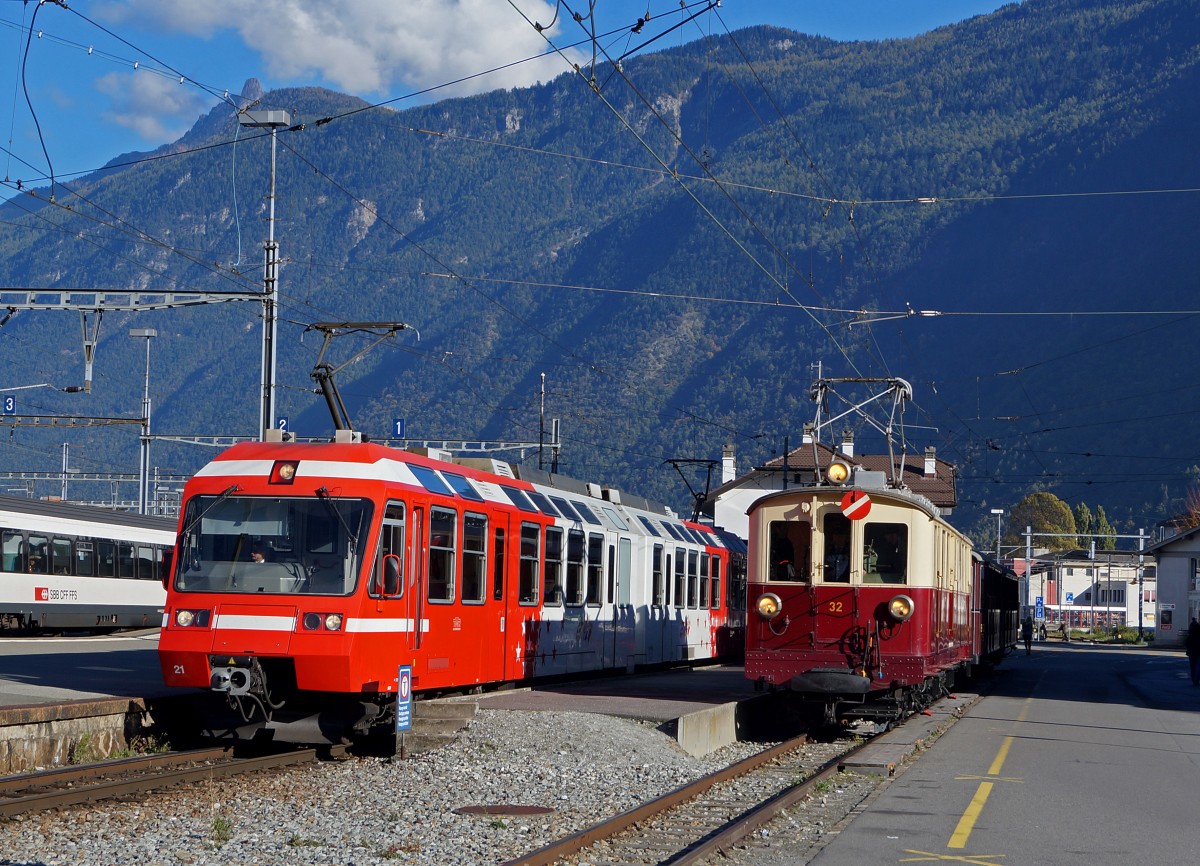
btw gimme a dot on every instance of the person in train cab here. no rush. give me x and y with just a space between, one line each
1192 647
257 554
782 558
837 559
1027 634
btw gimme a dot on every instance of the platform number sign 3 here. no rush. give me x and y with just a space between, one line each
10 404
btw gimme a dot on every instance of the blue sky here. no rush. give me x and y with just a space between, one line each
102 78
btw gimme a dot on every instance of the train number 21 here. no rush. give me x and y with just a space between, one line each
835 607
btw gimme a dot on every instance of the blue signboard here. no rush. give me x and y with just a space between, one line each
397 428
1070 598
10 404
404 699
1039 609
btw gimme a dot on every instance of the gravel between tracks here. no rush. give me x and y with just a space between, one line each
368 811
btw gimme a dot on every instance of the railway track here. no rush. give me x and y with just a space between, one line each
69 786
705 817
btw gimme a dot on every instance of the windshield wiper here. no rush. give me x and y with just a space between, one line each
323 495
229 491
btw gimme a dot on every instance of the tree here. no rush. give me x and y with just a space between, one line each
1083 523
1047 515
1107 539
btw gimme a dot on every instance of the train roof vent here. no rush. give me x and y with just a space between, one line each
612 494
593 490
432 453
870 480
342 437
487 464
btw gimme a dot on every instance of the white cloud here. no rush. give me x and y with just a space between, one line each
156 108
369 47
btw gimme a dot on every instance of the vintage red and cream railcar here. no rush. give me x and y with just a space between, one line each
306 574
864 600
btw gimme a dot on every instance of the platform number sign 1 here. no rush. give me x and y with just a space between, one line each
397 428
10 404
404 699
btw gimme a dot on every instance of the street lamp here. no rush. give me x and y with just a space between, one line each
144 463
272 120
999 512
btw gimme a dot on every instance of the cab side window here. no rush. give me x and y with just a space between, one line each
789 543
885 553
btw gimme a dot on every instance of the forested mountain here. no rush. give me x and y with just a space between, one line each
676 249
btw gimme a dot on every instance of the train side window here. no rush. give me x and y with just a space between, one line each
612 574
106 559
389 562
835 536
575 572
38 559
60 556
715 598
553 597
474 567
527 585
790 545
658 581
145 565
126 560
11 546
498 565
624 571
692 585
703 580
595 568
443 550
680 578
885 553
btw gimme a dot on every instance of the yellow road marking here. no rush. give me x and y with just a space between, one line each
967 822
994 769
977 859
1017 779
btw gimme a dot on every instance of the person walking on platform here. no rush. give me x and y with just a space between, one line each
1027 634
1193 651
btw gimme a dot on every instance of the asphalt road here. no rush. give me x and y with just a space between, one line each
1078 754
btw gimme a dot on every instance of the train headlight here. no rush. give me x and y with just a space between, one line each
900 608
186 618
838 472
313 621
769 606
283 472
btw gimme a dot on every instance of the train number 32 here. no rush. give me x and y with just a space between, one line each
835 607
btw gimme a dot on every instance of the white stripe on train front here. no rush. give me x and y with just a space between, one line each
288 623
254 623
403 626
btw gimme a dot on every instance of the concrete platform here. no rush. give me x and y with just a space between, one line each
886 753
701 706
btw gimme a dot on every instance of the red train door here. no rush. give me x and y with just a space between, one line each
415 591
499 660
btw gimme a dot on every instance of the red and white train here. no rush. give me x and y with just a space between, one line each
306 574
865 601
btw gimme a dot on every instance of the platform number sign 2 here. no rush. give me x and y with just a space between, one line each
10 404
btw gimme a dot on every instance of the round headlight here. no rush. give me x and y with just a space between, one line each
184 618
312 621
900 608
287 471
769 605
837 473
333 621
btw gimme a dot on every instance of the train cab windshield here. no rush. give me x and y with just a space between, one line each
252 545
